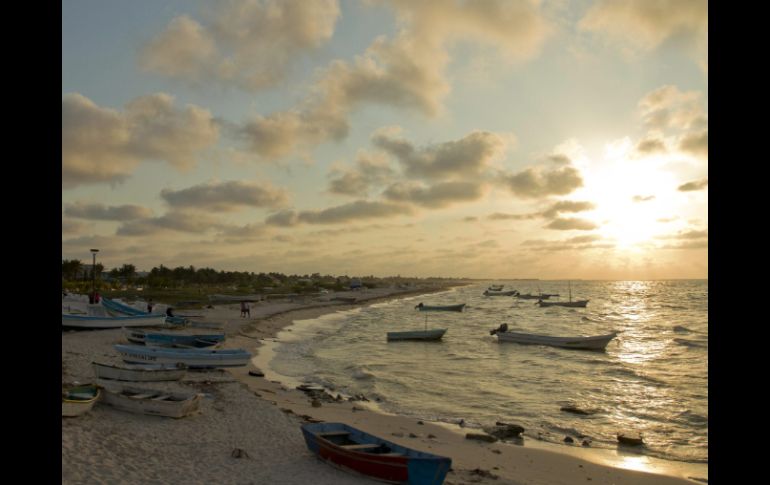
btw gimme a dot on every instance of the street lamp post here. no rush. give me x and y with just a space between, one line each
93 277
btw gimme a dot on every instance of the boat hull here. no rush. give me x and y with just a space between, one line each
346 447
596 342
441 308
196 358
571 304
88 322
140 373
79 400
151 401
418 335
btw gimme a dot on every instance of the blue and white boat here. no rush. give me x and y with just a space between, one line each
170 340
117 307
95 322
196 358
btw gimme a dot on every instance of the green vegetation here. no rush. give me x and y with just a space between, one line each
188 284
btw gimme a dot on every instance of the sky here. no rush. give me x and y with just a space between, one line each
493 139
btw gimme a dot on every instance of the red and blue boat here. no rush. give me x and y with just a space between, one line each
351 449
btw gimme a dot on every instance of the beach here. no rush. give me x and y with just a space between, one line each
248 427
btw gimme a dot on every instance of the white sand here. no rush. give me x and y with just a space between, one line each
262 418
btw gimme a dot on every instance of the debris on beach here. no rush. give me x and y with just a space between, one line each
480 437
631 438
505 431
239 453
256 373
568 439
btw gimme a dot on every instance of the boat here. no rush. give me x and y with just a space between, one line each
195 358
440 308
351 449
121 308
434 334
594 342
158 339
529 296
79 400
92 322
151 401
140 373
495 288
570 303
501 293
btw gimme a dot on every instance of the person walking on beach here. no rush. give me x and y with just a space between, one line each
245 309
149 306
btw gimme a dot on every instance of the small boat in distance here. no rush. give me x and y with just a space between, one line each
533 297
594 342
79 400
501 293
434 334
351 449
495 287
439 308
570 303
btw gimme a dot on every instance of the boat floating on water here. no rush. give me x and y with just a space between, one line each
433 334
594 342
439 308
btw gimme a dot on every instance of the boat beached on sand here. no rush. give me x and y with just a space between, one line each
79 400
140 372
151 401
351 449
198 358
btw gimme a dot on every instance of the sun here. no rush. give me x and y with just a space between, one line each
630 196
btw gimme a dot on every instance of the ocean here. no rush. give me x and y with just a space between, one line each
651 379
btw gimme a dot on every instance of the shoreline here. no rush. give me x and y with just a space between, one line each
253 414
617 466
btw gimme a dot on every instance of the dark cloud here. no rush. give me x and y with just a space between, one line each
358 210
226 196
562 224
436 196
696 185
94 211
537 183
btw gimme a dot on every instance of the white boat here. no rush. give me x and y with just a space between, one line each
434 334
151 401
79 400
90 322
595 342
140 373
135 354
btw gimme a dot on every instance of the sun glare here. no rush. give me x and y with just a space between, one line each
630 196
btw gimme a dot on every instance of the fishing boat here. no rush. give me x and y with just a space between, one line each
570 303
440 308
529 296
594 342
501 293
495 287
121 308
151 401
351 449
139 372
92 322
195 358
434 334
79 400
158 339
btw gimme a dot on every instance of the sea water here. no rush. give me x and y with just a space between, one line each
652 378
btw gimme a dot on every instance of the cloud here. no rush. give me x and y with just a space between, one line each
85 210
226 196
353 211
250 44
685 235
173 221
562 224
104 145
573 243
567 206
370 170
466 157
406 71
540 182
642 198
644 25
668 107
687 245
499 216
650 145
436 196
696 185
696 143
243 233
68 226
